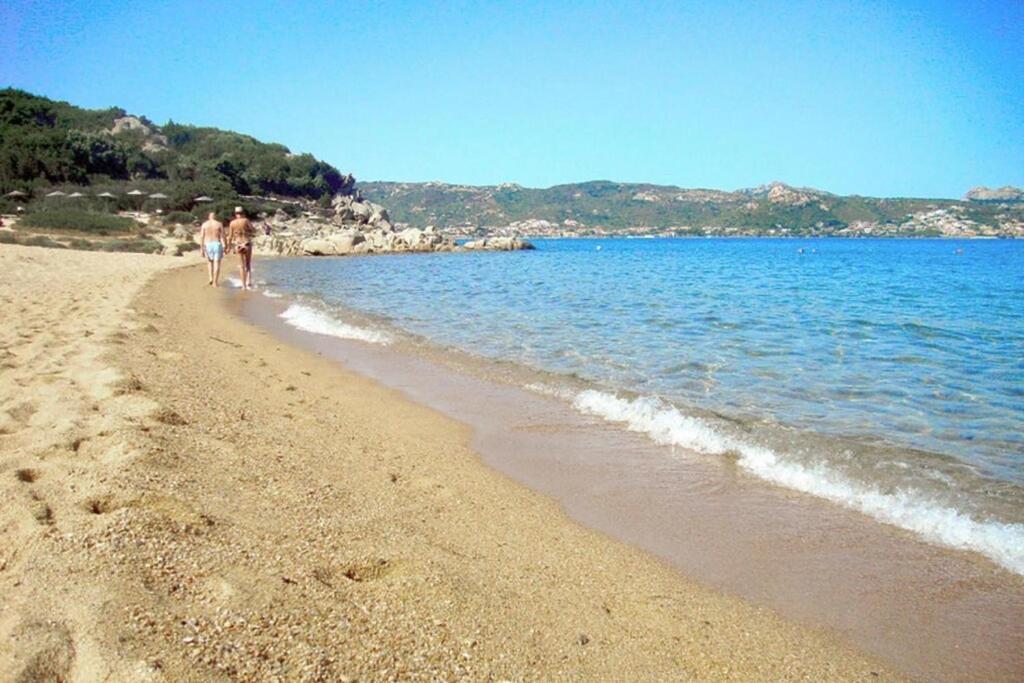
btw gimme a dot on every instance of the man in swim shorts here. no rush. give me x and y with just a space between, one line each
241 233
211 242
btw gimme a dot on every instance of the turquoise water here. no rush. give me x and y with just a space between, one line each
886 375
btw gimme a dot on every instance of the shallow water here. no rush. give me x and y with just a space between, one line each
883 375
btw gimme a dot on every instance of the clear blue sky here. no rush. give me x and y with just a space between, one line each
877 98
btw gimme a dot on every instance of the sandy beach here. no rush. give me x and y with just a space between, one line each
189 499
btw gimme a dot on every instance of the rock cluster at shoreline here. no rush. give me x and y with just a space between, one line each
356 226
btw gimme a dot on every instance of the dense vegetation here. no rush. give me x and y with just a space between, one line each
139 244
46 144
609 206
72 220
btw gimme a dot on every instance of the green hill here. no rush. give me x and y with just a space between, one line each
46 143
602 207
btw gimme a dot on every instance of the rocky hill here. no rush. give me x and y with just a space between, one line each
45 144
108 180
607 208
1002 194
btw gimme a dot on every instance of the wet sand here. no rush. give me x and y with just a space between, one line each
936 613
189 498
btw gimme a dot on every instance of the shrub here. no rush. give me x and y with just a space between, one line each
177 218
141 245
42 241
292 210
78 221
185 247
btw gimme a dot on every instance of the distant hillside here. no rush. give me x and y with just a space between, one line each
45 143
602 207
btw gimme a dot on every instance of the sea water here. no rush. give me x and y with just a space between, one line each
884 375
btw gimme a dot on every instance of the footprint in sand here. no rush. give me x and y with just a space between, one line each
40 510
432 485
40 651
129 385
23 412
169 417
365 571
15 419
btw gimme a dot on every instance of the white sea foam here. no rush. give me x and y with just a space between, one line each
664 424
234 282
550 390
270 294
311 320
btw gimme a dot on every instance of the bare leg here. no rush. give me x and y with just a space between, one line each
216 273
241 267
248 268
209 270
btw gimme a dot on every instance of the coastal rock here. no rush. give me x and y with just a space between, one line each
318 247
1006 193
355 226
354 210
344 243
498 244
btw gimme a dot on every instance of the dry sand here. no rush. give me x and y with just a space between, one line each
187 499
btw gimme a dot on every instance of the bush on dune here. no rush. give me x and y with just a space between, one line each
78 221
42 241
185 247
140 245
177 218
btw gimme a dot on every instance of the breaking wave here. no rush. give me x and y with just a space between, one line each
663 423
311 320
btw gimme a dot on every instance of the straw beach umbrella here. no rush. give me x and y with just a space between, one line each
105 196
202 199
16 194
136 193
56 193
75 195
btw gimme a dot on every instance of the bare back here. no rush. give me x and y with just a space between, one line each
212 231
241 232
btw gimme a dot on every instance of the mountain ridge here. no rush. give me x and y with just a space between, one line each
775 208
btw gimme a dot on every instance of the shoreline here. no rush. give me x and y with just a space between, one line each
887 590
221 504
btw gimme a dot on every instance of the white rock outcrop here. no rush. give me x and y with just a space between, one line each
355 226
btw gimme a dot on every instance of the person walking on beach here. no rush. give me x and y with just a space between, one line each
240 235
211 242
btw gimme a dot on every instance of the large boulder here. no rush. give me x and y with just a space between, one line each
411 237
351 210
361 212
315 246
497 244
345 243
